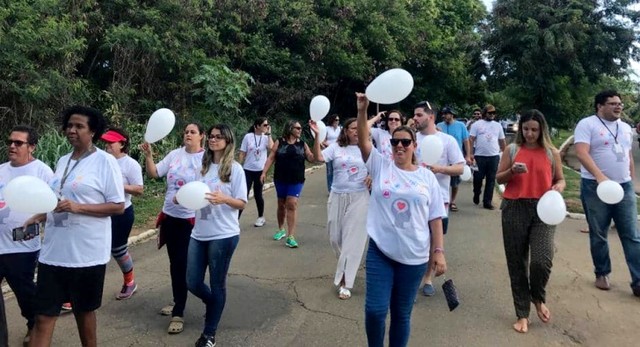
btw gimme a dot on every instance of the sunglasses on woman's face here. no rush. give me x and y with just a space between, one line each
404 142
265 125
394 119
298 128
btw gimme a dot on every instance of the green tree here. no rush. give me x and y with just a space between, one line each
552 53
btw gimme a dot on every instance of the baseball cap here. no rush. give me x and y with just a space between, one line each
448 109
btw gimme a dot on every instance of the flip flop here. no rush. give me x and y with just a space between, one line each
344 293
453 207
176 326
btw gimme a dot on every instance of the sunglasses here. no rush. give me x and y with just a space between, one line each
405 142
265 125
298 128
16 143
424 104
394 119
216 137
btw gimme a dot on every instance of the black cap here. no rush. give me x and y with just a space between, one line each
448 109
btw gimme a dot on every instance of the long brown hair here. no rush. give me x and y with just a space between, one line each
226 161
343 139
544 140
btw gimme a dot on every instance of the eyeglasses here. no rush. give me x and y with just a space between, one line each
615 104
405 142
217 137
394 119
477 114
265 125
298 128
16 143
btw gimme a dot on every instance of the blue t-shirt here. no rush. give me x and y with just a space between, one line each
456 129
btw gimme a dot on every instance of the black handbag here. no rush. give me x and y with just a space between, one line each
451 294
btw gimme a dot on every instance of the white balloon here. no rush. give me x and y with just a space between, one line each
192 195
431 148
29 194
610 192
551 208
390 87
466 173
160 125
319 107
322 128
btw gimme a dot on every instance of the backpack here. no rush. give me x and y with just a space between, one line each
513 150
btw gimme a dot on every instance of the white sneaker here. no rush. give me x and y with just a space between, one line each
259 222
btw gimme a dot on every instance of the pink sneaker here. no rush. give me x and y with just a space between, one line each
127 291
66 308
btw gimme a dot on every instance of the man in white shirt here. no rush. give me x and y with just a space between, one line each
603 146
487 139
18 258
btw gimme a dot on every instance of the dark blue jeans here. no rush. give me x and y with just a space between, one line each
18 270
215 254
329 165
487 168
391 286
599 216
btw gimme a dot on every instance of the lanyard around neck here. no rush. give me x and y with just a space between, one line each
258 143
615 137
67 172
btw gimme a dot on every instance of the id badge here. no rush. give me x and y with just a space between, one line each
617 148
257 154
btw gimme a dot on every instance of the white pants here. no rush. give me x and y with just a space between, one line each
347 228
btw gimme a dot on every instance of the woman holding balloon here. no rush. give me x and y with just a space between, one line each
348 203
288 153
180 166
217 231
333 131
404 223
529 167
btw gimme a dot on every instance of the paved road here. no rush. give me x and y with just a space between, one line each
284 297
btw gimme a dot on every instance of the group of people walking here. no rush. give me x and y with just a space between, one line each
380 192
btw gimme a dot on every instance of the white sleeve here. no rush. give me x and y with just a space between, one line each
163 166
582 134
474 129
113 189
375 135
374 162
501 136
238 182
454 154
330 152
134 174
244 145
436 207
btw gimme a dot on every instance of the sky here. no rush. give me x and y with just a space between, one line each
635 66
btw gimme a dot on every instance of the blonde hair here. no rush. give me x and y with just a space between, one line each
544 140
227 159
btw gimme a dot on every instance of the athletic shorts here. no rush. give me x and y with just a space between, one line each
56 285
284 190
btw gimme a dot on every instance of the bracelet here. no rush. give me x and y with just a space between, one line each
438 250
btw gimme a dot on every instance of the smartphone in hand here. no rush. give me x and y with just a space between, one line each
22 233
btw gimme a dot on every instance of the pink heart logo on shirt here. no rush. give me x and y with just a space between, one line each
401 205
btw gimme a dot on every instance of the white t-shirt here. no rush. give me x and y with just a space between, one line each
180 167
255 148
12 219
487 136
80 240
451 154
401 205
611 159
131 175
382 137
215 222
333 133
349 171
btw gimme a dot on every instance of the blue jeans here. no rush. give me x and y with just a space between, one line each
216 254
390 285
329 165
599 216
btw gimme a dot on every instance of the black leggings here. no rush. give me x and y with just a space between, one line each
178 234
253 177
